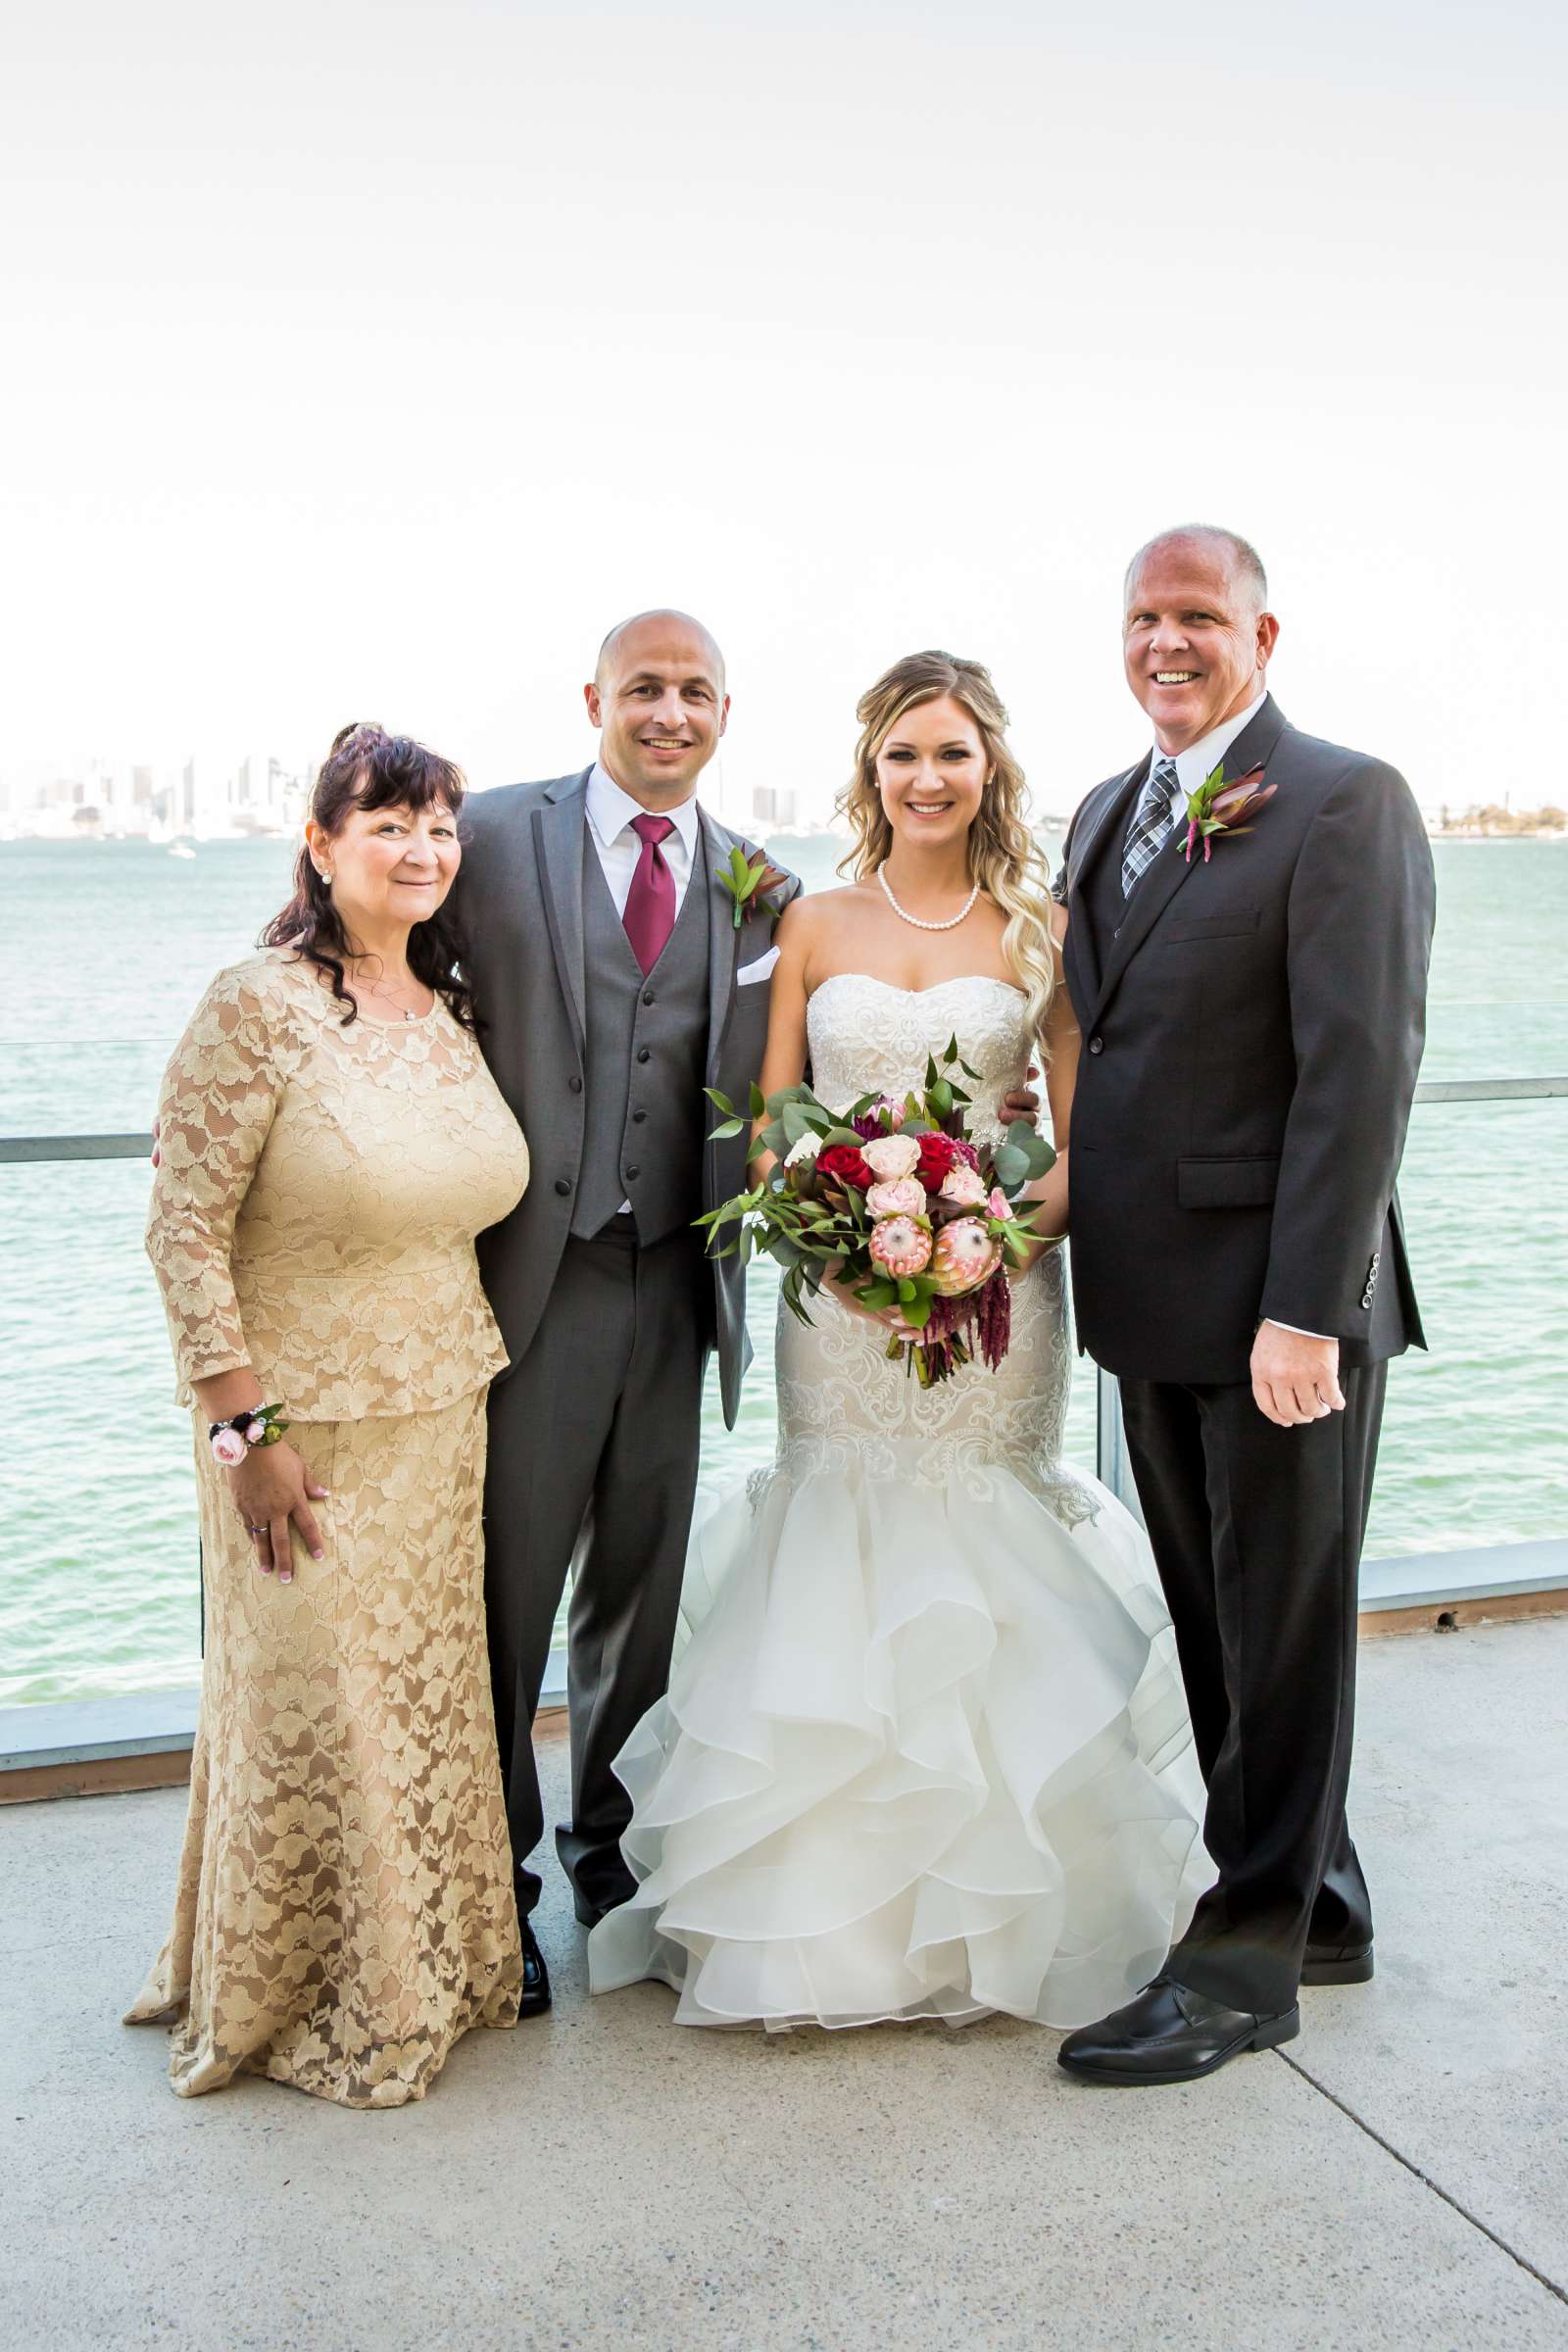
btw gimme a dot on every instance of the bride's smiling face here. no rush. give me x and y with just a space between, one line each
931 772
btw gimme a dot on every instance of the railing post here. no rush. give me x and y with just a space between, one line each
1112 1465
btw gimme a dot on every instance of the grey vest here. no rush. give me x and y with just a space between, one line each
647 1049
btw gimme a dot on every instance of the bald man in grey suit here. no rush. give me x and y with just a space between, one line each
614 984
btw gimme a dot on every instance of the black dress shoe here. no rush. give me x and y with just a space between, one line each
1336 1964
536 1977
1170 2034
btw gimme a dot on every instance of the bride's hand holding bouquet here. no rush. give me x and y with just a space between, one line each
897 1208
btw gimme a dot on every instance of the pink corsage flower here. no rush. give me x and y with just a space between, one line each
255 1435
892 1155
1220 808
897 1197
229 1447
900 1246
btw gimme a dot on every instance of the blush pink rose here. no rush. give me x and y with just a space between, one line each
900 1246
965 1256
892 1155
229 1447
897 1197
962 1187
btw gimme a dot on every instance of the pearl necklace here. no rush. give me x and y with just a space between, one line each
913 920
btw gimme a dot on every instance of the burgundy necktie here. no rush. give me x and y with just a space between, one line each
649 915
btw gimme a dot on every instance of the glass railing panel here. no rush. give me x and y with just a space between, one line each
97 1493
1472 1451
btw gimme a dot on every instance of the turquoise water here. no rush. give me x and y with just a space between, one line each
108 946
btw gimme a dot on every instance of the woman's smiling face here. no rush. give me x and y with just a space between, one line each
931 772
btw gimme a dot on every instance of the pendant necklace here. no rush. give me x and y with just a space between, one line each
913 920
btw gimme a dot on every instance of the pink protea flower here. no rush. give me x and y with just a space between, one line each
964 1257
897 1197
900 1246
884 1108
228 1447
999 1204
962 1187
892 1155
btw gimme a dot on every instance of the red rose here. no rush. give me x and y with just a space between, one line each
939 1154
839 1164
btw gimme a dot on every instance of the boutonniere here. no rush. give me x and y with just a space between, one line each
749 878
1220 808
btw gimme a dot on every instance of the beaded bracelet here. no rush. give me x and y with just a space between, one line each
231 1441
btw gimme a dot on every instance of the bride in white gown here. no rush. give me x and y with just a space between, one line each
925 1752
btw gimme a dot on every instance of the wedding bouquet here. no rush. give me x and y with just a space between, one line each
898 1201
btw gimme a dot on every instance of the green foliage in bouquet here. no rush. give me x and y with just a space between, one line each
809 1215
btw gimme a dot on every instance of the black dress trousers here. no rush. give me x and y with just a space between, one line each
1257 1534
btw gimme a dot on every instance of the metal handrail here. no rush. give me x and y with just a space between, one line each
24 1150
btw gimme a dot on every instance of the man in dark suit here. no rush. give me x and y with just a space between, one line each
1253 1009
614 984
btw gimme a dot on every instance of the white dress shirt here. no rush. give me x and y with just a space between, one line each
609 814
1200 760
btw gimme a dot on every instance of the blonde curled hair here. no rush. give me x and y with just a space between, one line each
1004 858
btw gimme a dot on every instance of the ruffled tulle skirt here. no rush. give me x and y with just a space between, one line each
925 1755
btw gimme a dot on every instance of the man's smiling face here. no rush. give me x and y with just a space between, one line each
1195 639
659 700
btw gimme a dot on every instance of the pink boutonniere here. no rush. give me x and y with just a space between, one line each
1220 808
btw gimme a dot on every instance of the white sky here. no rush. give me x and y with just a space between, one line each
369 361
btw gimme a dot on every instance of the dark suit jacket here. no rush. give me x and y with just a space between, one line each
1252 1028
518 902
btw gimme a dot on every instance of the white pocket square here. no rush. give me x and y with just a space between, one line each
757 970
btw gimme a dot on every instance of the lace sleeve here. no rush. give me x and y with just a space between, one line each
215 1106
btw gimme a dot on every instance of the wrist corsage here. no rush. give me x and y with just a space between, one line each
231 1441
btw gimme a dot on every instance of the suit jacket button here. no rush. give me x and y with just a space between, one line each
1096 1045
645 1053
637 1117
632 1175
562 1185
575 1083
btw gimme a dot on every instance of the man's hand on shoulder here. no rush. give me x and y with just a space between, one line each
1295 1379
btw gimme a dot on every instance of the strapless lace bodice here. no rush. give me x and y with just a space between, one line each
839 1395
867 1037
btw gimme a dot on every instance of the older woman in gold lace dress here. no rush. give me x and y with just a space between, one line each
330 1143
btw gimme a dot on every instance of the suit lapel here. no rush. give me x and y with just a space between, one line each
1171 868
1104 824
560 827
713 846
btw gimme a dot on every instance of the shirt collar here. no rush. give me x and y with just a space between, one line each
1200 759
611 810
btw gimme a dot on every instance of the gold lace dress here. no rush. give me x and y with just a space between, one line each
344 1908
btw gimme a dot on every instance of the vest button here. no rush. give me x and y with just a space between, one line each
645 1053
575 1083
648 996
632 1175
1096 1045
562 1185
637 1117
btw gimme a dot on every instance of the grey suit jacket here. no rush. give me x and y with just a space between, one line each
518 907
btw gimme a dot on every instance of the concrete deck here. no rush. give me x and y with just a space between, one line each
1399 2176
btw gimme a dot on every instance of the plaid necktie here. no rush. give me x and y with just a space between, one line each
1154 822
